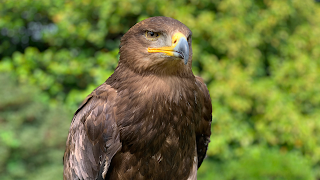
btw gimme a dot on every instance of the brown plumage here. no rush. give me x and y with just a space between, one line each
151 118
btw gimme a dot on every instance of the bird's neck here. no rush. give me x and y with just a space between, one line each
125 78
144 67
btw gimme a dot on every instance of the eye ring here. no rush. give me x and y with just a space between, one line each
152 35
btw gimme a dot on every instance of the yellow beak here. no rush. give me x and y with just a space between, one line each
179 47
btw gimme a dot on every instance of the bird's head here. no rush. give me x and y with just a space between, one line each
158 45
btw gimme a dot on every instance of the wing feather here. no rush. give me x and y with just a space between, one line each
203 132
93 137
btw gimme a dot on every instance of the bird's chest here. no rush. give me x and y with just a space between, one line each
156 120
159 132
156 124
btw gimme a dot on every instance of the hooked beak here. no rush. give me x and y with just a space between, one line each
179 47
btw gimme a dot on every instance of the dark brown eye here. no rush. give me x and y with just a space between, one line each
152 35
188 39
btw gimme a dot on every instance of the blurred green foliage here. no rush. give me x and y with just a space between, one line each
32 133
260 60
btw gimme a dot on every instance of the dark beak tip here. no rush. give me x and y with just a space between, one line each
183 49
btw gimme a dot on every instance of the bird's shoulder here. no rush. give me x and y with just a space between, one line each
103 96
207 106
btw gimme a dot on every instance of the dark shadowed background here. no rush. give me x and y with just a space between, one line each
260 60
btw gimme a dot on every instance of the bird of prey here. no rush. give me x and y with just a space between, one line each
151 119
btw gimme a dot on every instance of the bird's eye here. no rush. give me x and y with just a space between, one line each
189 37
152 35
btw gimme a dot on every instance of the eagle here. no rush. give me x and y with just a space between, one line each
151 119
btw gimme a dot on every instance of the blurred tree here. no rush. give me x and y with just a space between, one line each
32 133
260 60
